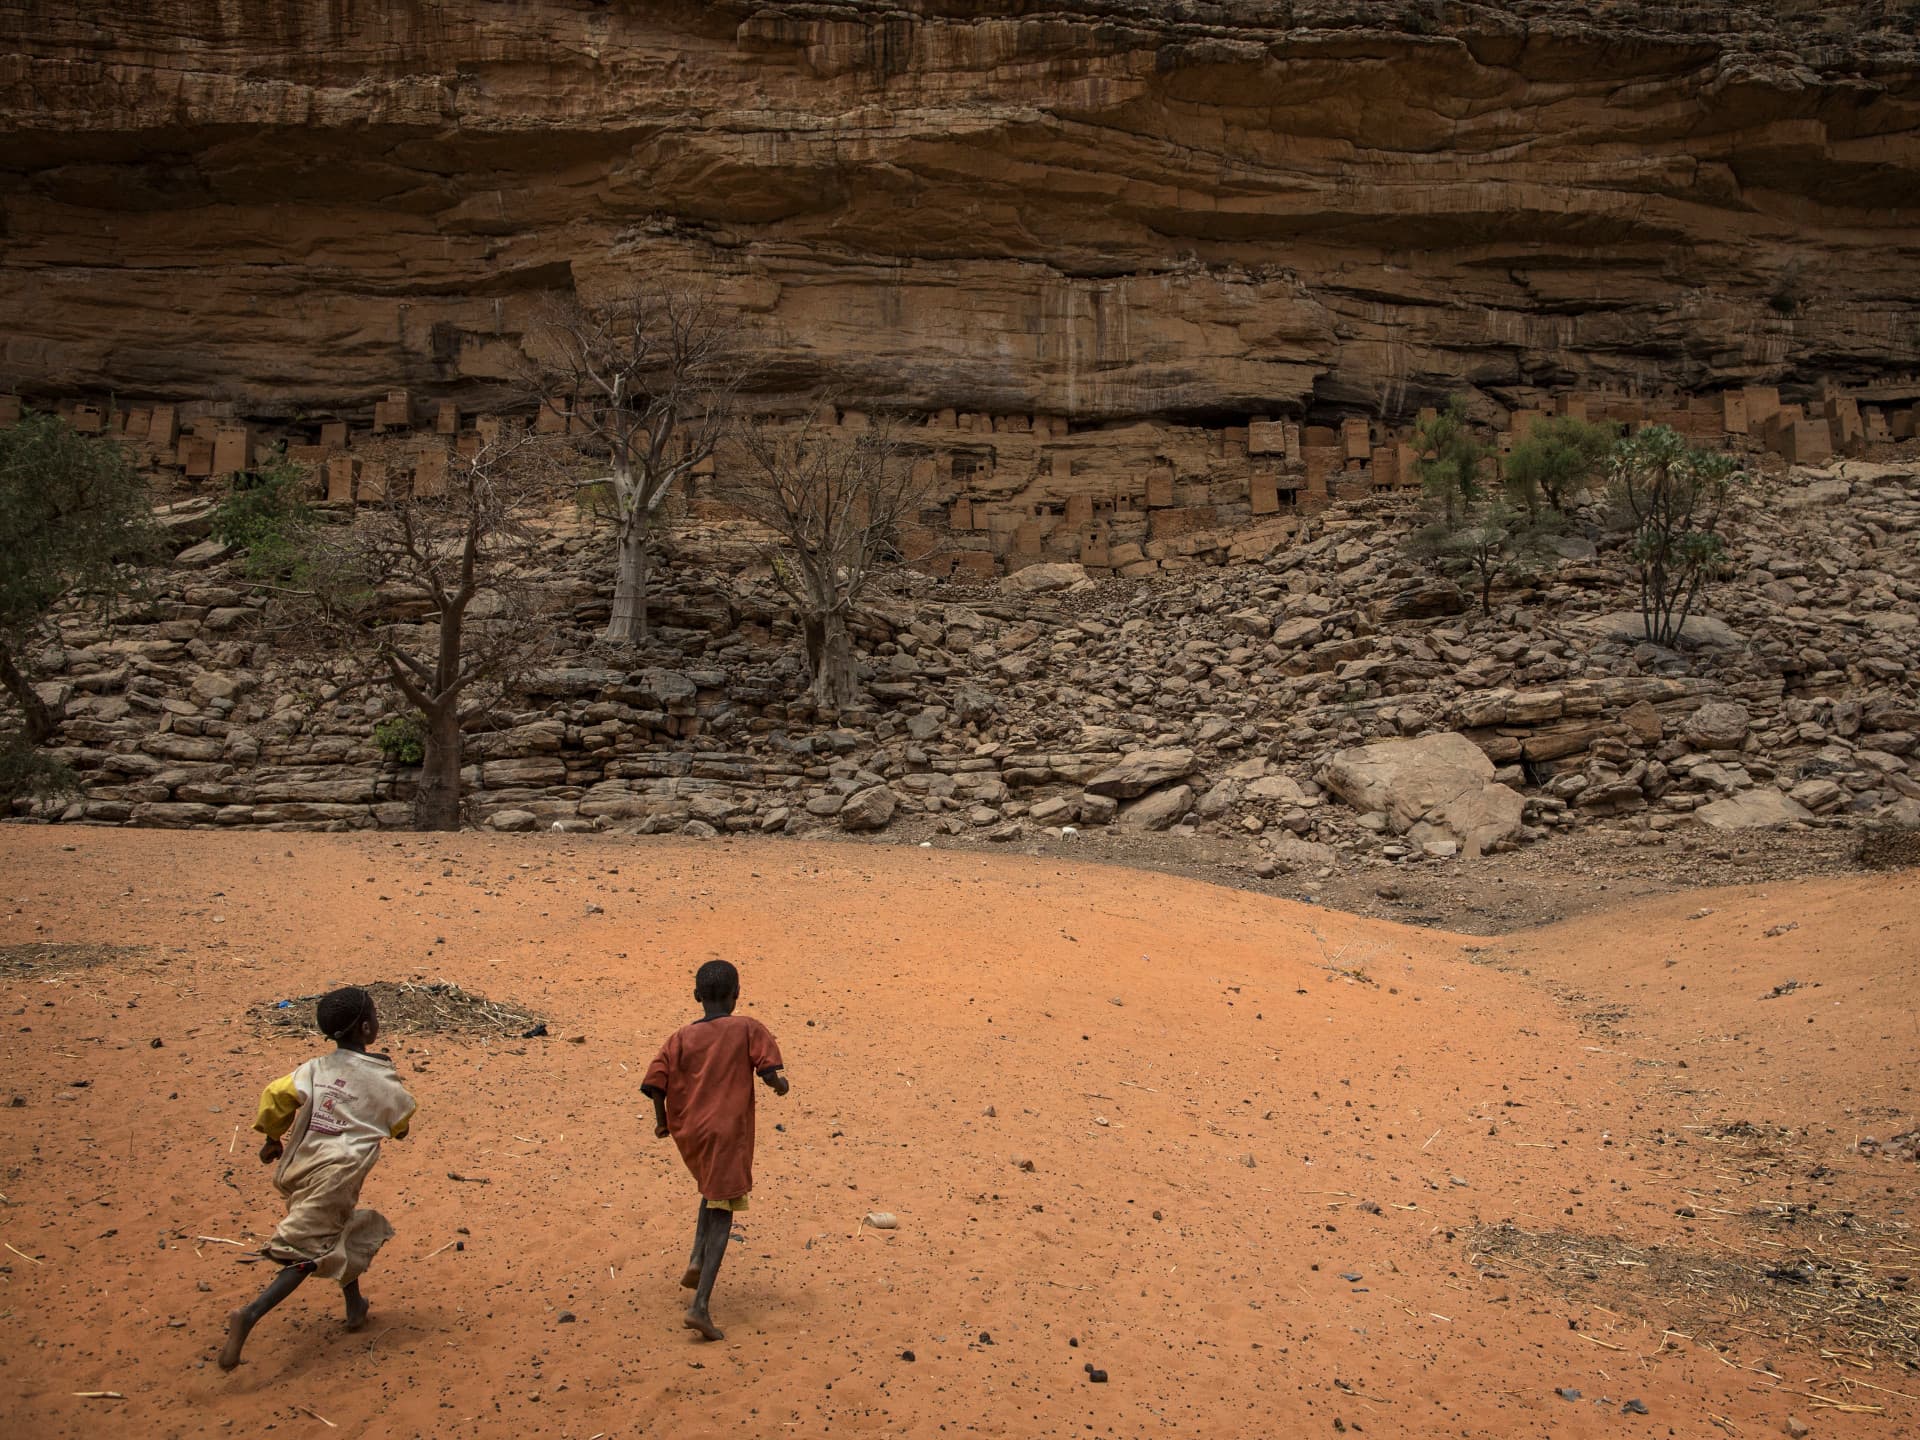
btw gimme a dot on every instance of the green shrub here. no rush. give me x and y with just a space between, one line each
402 739
266 514
1451 458
30 773
1673 496
1555 460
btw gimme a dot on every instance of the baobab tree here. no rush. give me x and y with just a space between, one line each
837 501
72 508
436 596
648 378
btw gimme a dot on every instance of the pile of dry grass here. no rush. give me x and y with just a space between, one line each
437 1007
45 957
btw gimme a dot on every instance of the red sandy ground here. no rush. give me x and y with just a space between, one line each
943 1015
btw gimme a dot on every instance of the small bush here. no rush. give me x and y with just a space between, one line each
1450 458
402 739
1673 496
32 774
267 515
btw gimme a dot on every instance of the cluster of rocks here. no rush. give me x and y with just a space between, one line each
1335 698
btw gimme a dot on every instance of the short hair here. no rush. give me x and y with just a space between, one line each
716 980
341 1011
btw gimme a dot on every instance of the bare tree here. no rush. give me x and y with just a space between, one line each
837 501
437 595
649 378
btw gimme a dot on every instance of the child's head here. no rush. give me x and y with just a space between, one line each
347 1016
716 983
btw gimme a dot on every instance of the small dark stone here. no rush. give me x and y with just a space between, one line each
985 1338
566 1317
1098 1377
1634 1407
1073 1342
156 1043
907 1355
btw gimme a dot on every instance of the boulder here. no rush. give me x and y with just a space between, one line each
1036 579
1140 771
207 552
1818 794
1293 634
1441 783
1160 810
1292 854
1283 788
869 809
1426 601
512 820
1717 725
1753 810
1701 632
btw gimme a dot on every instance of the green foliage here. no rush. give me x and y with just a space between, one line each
267 515
30 773
71 508
1672 496
402 739
1450 458
1555 460
1487 539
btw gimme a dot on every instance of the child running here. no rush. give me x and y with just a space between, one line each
701 1085
334 1110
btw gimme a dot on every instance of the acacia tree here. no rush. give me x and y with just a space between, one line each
436 595
71 508
1450 457
1555 459
1673 496
1489 539
837 501
649 378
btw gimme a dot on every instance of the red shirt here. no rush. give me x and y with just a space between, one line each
707 1070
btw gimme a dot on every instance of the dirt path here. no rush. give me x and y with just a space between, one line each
1293 1171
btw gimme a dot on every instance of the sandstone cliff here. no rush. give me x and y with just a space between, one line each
1090 208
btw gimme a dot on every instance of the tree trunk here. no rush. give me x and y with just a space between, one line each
436 804
39 717
627 625
834 680
813 634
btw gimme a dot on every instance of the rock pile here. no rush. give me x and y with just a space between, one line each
1251 699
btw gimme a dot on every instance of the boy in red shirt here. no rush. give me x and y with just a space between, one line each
701 1085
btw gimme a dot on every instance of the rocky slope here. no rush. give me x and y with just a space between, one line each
1252 700
1097 209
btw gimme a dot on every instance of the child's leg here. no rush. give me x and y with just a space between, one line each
240 1322
357 1306
691 1280
716 1228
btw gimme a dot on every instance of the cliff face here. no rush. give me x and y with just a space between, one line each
1090 208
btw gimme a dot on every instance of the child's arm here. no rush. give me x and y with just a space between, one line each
764 1052
279 1103
659 1098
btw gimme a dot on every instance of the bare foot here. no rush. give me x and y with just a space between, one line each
698 1319
239 1326
691 1280
357 1308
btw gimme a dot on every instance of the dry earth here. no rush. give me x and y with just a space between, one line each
1293 1171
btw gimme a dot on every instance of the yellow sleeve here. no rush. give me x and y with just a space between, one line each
404 1124
279 1103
